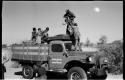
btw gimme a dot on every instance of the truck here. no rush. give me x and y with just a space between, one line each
57 56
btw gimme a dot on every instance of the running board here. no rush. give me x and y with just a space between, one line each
58 70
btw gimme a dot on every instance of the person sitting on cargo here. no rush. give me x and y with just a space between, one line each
44 35
39 35
34 35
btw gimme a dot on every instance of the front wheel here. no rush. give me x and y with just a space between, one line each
27 72
77 73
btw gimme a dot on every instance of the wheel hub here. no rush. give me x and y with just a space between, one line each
75 76
26 72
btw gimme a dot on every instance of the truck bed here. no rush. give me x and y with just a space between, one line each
37 52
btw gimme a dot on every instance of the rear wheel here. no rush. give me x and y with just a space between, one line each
77 73
27 72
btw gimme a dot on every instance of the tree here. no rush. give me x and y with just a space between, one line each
81 44
103 39
87 42
4 45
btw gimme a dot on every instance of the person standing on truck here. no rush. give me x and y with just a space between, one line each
44 35
77 37
34 35
39 35
72 29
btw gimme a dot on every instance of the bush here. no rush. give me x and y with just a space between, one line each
4 45
112 69
114 52
121 67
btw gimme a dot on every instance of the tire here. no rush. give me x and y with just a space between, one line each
27 72
78 73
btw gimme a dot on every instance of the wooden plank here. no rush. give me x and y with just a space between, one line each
17 56
31 52
35 58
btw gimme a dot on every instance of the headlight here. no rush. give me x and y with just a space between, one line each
105 60
90 59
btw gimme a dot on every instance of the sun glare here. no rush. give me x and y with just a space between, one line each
97 9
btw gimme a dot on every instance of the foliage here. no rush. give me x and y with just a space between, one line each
4 45
103 39
113 51
88 43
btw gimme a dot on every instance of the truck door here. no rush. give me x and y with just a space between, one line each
56 56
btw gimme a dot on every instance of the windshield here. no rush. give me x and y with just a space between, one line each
68 46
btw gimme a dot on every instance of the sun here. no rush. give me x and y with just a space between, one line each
97 9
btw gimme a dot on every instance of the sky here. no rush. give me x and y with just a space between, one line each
94 19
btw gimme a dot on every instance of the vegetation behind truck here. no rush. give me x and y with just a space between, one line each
58 56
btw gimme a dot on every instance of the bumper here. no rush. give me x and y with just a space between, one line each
95 73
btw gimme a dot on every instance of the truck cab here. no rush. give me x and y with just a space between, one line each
61 53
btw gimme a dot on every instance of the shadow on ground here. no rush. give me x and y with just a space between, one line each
50 75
